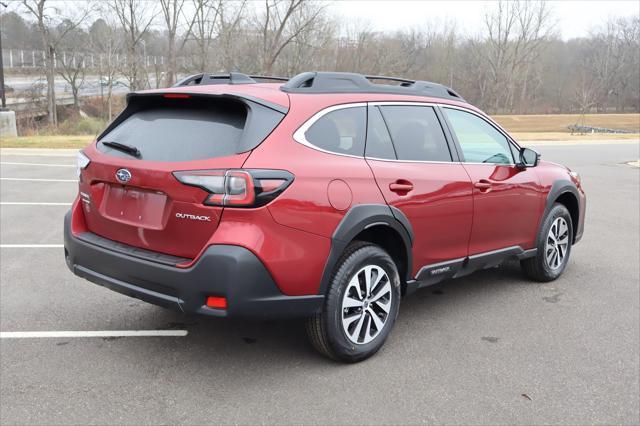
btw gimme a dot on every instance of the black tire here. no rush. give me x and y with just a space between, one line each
325 329
538 268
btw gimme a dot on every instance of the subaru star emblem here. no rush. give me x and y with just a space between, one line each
123 175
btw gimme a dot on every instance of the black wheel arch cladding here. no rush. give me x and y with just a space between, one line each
358 219
561 188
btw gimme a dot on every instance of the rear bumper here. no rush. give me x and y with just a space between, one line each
223 270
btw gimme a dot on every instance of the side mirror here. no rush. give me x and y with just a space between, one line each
528 158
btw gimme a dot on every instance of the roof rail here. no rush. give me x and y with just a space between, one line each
206 79
269 77
403 81
231 78
344 82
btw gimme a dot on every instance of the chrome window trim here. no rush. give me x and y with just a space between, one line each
402 103
299 135
412 161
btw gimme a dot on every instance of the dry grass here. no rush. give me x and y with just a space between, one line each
521 127
558 123
558 136
55 141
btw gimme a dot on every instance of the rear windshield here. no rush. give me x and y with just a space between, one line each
174 130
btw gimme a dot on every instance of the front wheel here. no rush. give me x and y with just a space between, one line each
361 305
554 246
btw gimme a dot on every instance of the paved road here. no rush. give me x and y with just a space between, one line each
489 348
91 87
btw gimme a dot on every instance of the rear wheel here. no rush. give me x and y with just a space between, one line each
554 246
361 305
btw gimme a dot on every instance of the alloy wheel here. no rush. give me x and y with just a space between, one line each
366 304
557 243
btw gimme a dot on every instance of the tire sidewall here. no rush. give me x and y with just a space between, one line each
342 346
557 211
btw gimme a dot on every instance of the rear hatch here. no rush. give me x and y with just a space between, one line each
128 190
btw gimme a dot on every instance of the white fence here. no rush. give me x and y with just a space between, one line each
24 59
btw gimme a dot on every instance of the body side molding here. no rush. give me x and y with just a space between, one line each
432 274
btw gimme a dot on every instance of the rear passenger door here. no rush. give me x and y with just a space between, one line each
414 167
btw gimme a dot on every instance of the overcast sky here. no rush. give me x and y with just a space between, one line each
574 18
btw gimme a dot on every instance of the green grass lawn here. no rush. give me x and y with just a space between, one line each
57 141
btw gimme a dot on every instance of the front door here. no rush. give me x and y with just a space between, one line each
414 168
507 200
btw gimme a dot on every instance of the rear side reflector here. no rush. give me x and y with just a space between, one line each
217 302
237 187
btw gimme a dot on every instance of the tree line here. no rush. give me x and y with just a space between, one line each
516 64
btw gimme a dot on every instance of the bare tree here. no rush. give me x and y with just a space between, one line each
230 17
616 50
306 51
204 27
584 96
516 64
173 13
515 31
45 17
107 42
280 24
135 17
356 51
72 70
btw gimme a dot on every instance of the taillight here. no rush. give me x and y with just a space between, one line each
82 161
237 187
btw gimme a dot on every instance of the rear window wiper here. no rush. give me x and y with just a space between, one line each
131 150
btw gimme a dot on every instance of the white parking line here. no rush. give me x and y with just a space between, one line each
36 164
40 180
5 153
98 333
31 245
12 203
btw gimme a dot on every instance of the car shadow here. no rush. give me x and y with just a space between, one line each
247 341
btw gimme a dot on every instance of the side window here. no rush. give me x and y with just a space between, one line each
379 143
341 131
479 140
416 133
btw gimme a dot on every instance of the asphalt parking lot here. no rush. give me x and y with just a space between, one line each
489 348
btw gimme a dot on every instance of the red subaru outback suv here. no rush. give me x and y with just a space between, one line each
328 197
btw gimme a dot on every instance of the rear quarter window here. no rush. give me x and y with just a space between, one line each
341 131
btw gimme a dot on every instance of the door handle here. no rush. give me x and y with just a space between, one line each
401 187
483 185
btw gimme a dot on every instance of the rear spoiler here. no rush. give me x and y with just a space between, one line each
260 113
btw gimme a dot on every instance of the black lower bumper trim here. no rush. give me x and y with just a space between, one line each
125 249
223 270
